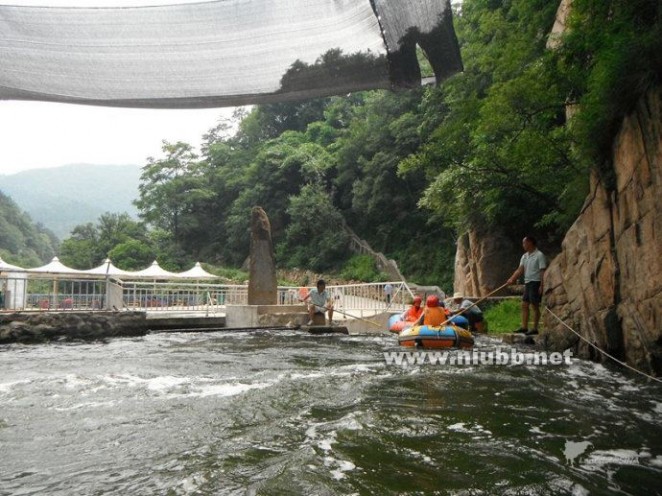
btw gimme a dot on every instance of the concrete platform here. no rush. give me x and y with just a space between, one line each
165 321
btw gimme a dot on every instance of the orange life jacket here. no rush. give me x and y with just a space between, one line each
434 316
413 314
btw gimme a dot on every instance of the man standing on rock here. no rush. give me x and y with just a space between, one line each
532 266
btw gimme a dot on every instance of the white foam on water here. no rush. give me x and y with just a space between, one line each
418 455
340 467
326 444
473 429
227 389
598 460
73 381
178 387
459 427
655 462
363 367
574 449
191 485
566 486
299 375
85 405
7 387
163 383
537 431
337 474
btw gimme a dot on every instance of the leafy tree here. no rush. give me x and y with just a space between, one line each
610 55
132 254
499 153
90 244
174 195
313 238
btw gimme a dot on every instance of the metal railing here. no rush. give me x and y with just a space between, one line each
56 295
22 293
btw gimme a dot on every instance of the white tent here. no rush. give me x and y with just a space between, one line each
108 269
55 267
7 267
154 271
197 272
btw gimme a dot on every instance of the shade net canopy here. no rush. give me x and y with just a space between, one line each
221 53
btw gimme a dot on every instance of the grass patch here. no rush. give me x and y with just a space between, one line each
362 268
504 317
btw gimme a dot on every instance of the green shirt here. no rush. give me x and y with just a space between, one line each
319 299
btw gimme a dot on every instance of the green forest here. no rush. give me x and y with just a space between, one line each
22 242
408 171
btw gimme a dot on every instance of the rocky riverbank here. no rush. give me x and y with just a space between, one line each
28 327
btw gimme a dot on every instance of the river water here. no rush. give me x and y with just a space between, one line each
280 413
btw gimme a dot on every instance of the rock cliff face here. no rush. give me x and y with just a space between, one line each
607 281
483 261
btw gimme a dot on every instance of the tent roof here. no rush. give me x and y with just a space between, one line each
197 272
220 53
55 267
7 267
108 269
154 271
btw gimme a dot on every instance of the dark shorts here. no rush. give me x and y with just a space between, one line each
532 293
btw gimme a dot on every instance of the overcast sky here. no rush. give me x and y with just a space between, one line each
36 135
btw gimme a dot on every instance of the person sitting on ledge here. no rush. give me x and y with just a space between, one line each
320 302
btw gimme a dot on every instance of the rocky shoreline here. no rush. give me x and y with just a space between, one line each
29 327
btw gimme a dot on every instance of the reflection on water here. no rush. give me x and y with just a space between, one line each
285 413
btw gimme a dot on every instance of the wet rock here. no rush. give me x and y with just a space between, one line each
57 326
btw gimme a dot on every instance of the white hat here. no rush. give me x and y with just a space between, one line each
458 295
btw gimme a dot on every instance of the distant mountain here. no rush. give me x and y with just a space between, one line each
64 197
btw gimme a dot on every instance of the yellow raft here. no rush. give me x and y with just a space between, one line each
449 336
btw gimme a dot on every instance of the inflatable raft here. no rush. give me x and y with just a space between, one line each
449 336
397 325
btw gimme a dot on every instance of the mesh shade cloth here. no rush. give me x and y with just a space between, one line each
220 53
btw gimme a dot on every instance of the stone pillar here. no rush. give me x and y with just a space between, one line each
262 283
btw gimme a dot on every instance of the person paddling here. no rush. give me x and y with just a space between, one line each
434 313
413 313
473 314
